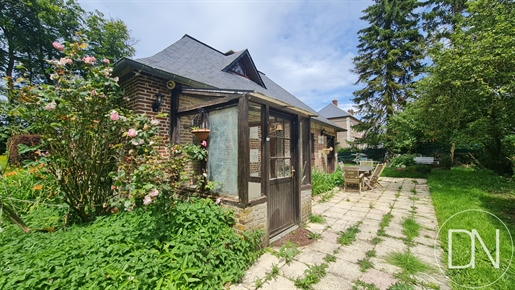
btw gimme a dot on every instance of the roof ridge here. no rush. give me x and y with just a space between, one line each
200 42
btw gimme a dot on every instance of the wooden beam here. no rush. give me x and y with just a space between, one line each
190 109
243 150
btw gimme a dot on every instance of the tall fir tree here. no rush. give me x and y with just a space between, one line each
388 61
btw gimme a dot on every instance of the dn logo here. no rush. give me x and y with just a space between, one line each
473 235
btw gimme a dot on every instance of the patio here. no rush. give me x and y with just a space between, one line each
403 198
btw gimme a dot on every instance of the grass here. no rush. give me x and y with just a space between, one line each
409 264
347 237
408 172
316 218
461 190
385 221
410 229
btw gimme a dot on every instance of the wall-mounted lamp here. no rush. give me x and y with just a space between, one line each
322 132
157 104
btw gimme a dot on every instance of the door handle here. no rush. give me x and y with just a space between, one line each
292 172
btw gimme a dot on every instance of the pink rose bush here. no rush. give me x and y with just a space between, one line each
89 59
114 116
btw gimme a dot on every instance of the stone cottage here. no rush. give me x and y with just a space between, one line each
324 144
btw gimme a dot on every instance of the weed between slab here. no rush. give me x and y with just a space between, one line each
347 237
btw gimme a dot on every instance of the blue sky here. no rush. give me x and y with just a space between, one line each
305 46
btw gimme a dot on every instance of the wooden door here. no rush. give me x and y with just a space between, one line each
281 196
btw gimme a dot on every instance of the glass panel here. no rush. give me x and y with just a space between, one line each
287 167
255 136
287 130
279 147
222 162
287 148
279 167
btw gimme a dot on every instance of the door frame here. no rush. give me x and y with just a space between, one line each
294 164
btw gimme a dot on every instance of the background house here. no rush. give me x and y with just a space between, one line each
259 141
344 120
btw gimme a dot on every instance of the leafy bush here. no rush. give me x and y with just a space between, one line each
403 161
192 246
322 182
15 156
85 130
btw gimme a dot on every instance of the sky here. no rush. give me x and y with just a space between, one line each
304 46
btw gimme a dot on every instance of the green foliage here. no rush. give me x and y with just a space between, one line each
312 275
3 162
85 132
409 263
415 171
317 218
191 246
467 96
42 22
403 161
410 228
322 182
347 237
287 251
329 258
195 152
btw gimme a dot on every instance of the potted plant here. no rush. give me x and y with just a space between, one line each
200 133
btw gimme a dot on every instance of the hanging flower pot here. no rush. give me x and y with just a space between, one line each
201 133
200 125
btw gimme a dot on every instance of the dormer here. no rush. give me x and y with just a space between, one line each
244 66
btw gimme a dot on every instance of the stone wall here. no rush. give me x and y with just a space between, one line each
250 218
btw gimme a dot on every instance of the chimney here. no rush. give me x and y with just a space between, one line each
351 111
335 102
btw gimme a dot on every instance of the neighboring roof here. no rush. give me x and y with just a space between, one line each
203 66
331 111
326 122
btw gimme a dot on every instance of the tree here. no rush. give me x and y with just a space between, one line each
28 28
442 17
390 53
469 94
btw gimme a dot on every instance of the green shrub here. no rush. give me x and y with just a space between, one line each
403 161
322 182
192 246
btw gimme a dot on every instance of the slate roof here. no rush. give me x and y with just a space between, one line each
196 61
331 111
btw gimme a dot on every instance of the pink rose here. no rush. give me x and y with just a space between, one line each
50 106
58 46
147 200
154 122
154 193
64 60
204 143
132 133
89 59
218 200
114 116
105 60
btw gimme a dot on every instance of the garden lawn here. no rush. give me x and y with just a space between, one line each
478 193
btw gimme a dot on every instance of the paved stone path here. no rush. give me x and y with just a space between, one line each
403 198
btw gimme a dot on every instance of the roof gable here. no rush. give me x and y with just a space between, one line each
244 66
332 111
